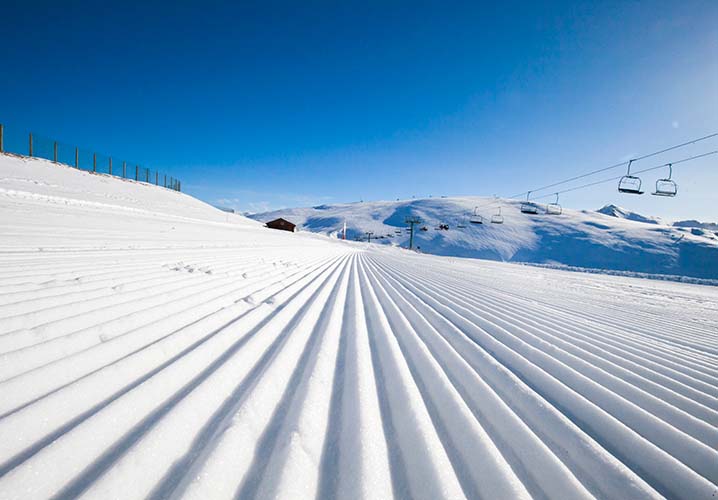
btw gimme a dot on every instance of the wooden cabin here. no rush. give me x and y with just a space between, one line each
281 224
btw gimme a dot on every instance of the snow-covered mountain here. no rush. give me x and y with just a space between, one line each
154 346
710 226
610 239
622 213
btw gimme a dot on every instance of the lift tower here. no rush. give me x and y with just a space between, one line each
412 221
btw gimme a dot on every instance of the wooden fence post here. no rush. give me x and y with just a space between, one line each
124 169
77 158
165 180
30 145
137 172
1 144
110 165
94 162
54 152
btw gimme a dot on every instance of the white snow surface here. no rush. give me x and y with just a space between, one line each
611 239
622 213
152 346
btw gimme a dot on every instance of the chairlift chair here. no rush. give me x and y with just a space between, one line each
476 218
528 207
497 218
554 208
667 186
629 184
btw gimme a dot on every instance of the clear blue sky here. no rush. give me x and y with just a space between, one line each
270 104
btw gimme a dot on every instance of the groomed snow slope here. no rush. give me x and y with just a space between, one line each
575 238
152 346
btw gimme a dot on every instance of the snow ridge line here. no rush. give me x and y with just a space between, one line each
358 374
572 340
706 465
47 379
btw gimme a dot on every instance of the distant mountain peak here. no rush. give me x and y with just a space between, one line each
621 213
694 223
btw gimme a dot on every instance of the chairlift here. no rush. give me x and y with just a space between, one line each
476 218
666 187
629 184
497 218
528 207
554 208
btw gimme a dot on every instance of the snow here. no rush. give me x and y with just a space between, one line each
711 226
154 346
622 213
612 239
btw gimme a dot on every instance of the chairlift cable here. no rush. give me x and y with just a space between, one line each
623 163
663 165
497 199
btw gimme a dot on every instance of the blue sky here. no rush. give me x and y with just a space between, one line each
272 104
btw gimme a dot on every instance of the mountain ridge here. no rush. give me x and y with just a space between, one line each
611 238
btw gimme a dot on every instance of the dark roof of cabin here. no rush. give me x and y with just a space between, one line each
280 221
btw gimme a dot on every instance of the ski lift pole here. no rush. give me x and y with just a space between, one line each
411 221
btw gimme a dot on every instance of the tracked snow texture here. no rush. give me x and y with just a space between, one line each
154 347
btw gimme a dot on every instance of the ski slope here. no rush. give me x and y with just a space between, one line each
154 347
611 239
